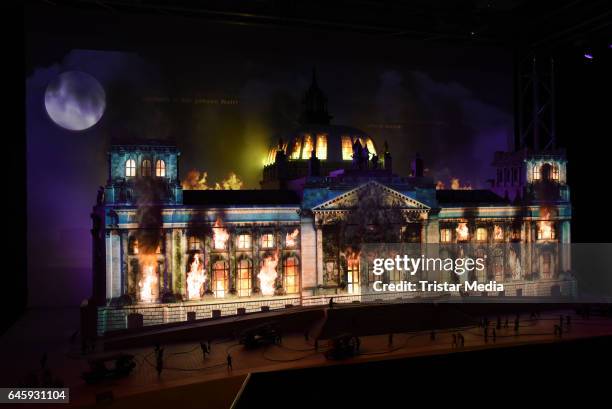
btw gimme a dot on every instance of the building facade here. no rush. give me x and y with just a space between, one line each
328 192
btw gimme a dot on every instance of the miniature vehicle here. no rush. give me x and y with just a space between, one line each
120 366
260 335
342 346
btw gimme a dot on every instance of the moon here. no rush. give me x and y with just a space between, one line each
75 100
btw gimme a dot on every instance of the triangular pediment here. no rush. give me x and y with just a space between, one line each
388 198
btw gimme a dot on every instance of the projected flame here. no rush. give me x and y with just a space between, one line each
195 278
148 279
220 235
267 275
462 232
545 227
291 238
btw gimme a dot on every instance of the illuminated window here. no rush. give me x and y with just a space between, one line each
295 150
130 168
555 172
321 146
194 243
395 276
244 241
445 235
347 148
498 233
546 230
267 241
245 273
353 274
145 168
463 232
307 150
160 168
481 234
290 269
536 172
220 276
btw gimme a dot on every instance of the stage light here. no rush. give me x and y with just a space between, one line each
588 56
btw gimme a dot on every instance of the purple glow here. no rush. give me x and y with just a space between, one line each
588 55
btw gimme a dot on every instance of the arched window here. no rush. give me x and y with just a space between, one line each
130 168
245 274
145 168
291 272
536 172
160 168
555 172
220 278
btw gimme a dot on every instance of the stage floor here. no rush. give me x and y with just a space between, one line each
50 331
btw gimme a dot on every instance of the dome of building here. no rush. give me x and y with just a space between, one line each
331 143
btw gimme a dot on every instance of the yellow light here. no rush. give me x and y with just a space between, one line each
307 147
371 148
295 152
322 146
347 148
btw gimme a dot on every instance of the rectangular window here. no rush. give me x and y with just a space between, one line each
245 271
321 147
267 241
244 241
194 243
347 148
307 150
498 233
546 230
353 275
445 235
291 275
481 234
